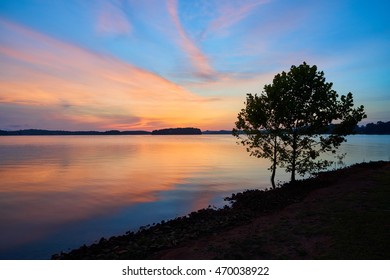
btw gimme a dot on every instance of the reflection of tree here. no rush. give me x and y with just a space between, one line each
340 161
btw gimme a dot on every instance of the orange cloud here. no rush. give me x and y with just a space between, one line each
91 88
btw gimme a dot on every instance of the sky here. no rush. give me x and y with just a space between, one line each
144 65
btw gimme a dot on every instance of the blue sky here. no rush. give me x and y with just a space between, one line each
150 64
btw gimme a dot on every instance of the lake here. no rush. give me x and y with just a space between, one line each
60 192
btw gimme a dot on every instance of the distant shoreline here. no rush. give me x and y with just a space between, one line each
43 132
380 128
99 133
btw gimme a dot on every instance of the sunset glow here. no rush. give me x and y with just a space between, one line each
144 65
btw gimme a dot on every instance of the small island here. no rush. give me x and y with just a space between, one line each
177 131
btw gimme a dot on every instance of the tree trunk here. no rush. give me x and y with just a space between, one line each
273 178
274 165
294 156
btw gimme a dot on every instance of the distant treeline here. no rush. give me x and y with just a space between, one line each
371 128
63 132
166 131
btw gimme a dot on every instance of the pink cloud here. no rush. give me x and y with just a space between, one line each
111 19
230 13
198 59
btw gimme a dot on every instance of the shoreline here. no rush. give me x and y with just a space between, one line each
261 225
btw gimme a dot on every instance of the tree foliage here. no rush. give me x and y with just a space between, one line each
287 122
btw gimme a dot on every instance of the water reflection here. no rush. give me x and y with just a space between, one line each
60 192
49 182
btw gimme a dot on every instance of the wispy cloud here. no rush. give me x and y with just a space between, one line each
217 17
198 59
111 19
230 13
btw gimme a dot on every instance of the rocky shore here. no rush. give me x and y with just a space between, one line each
342 214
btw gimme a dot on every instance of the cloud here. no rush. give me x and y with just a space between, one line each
215 17
230 13
112 20
88 88
198 59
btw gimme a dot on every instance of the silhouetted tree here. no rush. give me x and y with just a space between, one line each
260 131
290 117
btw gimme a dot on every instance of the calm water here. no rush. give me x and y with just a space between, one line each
59 192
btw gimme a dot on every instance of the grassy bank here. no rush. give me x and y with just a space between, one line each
343 214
